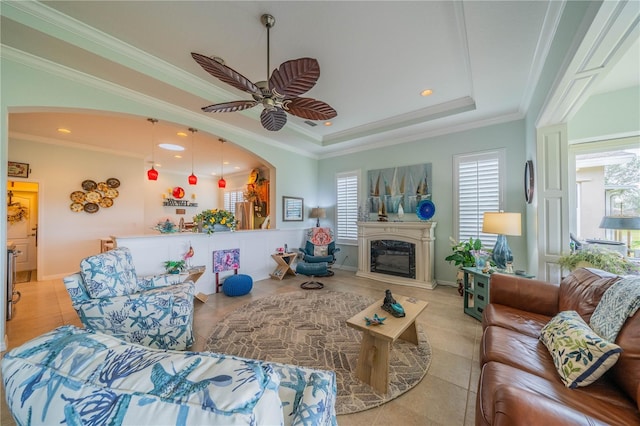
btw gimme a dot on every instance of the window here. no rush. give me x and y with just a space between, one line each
478 188
231 198
347 207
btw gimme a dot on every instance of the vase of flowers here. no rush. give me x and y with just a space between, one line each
211 219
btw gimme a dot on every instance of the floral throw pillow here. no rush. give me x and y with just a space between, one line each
579 354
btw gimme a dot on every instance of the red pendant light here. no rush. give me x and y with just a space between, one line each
152 173
222 183
193 179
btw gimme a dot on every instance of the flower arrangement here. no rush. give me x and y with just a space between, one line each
209 218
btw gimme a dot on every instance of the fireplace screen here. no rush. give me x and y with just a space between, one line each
393 257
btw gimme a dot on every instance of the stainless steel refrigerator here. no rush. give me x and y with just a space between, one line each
245 215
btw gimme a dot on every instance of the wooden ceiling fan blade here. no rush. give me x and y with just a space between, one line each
295 77
232 106
309 108
226 74
273 119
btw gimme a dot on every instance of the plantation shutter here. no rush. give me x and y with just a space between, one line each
347 206
230 200
479 189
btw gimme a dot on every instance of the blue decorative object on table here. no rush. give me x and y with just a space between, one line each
237 285
390 305
166 227
376 320
425 210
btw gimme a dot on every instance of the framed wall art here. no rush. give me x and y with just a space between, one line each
17 169
398 188
292 209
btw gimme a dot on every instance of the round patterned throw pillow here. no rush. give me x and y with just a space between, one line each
237 285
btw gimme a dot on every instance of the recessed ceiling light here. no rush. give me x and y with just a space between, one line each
226 162
63 130
237 167
328 123
182 134
171 147
426 92
177 156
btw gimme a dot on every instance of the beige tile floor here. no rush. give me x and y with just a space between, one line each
446 396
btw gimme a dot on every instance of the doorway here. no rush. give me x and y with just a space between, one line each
22 226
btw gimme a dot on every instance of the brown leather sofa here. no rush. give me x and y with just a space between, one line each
519 384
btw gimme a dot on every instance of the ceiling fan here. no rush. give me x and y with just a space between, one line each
281 93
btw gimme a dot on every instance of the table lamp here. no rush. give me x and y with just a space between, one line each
503 224
317 213
621 223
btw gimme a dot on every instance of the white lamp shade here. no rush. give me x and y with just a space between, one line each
502 223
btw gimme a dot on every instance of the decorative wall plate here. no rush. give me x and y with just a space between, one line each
106 202
111 193
89 185
91 207
76 207
102 186
113 182
77 196
426 209
93 196
178 192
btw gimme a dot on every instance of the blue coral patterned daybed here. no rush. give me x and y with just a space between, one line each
74 376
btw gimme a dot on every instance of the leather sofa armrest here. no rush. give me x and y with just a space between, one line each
526 294
513 406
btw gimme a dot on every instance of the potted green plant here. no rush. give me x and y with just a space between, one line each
599 258
464 254
175 266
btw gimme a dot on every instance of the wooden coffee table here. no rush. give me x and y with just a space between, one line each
373 361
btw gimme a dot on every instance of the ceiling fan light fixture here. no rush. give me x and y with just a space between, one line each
278 94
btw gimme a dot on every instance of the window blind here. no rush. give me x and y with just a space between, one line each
478 190
347 206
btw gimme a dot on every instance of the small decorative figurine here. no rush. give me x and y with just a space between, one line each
376 320
188 255
390 305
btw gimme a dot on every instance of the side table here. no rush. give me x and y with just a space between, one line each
285 265
476 290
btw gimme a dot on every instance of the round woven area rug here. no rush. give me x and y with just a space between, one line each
308 328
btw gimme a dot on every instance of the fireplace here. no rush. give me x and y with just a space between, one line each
397 252
393 257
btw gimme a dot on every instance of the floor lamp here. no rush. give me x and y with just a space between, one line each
621 223
503 224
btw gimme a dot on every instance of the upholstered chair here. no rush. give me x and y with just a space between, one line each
154 311
320 246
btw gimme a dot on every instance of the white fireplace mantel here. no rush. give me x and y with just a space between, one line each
419 233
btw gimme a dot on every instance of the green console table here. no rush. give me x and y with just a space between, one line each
476 290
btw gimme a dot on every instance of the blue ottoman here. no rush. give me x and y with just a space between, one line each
316 269
237 285
320 269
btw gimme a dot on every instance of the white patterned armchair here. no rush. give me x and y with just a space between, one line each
155 311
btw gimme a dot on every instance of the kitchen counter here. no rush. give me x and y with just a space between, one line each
150 251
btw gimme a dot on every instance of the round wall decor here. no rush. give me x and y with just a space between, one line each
529 181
